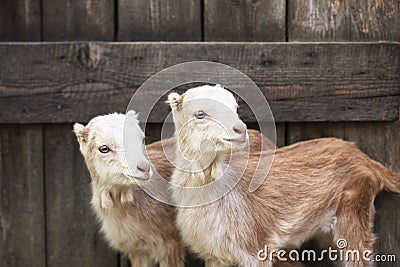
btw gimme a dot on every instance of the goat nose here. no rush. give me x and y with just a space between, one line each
143 167
240 129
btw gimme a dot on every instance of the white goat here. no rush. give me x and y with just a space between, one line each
132 221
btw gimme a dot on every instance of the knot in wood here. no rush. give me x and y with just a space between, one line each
89 56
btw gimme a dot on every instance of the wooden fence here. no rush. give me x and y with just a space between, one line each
327 67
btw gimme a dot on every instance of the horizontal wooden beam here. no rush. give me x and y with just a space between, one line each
67 82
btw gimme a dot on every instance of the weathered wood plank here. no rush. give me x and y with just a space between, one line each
317 20
338 20
73 20
297 132
280 134
20 20
374 20
159 20
73 237
153 132
381 141
22 211
244 20
70 82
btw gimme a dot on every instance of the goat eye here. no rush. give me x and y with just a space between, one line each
104 149
200 114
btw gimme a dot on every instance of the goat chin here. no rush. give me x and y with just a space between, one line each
322 185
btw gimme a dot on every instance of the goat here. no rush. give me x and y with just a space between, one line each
132 221
324 185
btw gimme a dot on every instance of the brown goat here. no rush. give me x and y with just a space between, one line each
323 185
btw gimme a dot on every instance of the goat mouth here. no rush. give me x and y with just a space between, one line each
239 141
138 178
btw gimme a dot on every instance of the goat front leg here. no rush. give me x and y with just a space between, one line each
141 260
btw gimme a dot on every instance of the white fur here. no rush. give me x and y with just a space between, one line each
131 221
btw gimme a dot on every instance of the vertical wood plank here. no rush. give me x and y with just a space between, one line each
280 134
297 132
244 20
83 20
381 141
316 20
22 219
340 20
153 132
159 20
20 20
374 20
73 238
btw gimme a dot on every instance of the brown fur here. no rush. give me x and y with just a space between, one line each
310 183
164 167
257 141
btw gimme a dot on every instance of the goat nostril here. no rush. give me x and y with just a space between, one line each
143 167
239 130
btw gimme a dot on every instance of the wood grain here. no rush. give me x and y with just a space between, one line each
317 20
70 82
78 20
374 20
159 20
244 20
72 235
339 20
280 134
20 20
22 213
297 132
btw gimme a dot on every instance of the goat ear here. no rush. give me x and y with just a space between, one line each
132 114
175 100
81 132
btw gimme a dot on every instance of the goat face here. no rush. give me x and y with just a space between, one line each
206 119
109 159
